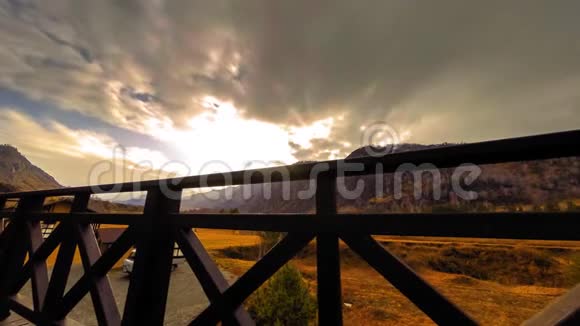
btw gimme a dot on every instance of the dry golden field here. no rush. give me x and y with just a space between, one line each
509 287
498 282
212 240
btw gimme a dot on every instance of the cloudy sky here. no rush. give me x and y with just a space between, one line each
191 82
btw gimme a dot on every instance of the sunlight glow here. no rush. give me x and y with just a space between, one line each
222 133
304 134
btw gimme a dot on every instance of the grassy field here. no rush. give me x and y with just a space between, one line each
499 282
220 239
496 282
212 240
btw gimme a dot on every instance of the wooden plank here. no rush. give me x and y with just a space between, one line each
84 217
15 320
424 296
539 226
563 311
41 254
2 203
6 236
13 260
24 311
39 271
64 260
60 271
327 255
23 315
96 272
207 272
147 294
329 283
100 288
264 268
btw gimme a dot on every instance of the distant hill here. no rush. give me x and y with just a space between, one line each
18 174
217 200
524 186
532 185
7 188
400 148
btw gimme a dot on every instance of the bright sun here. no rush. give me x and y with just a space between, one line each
222 139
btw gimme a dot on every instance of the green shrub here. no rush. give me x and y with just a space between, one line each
241 252
283 300
503 265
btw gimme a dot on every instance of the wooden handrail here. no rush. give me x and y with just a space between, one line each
555 145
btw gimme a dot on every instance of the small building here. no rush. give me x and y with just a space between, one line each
60 205
105 236
8 207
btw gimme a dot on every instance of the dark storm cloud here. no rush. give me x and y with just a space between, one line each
440 70
463 60
81 50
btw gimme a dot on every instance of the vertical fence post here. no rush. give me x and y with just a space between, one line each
17 246
147 295
327 254
4 258
39 278
2 204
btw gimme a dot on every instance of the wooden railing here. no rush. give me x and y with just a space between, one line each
154 232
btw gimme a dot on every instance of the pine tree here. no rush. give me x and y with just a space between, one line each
283 300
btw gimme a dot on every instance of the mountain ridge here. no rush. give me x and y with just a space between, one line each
17 173
522 184
518 185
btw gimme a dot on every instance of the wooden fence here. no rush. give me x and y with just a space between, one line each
154 232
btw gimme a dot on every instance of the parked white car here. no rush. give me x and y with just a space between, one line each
128 263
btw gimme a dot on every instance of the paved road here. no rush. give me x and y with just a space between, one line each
185 300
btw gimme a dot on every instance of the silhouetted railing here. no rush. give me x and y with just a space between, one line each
154 232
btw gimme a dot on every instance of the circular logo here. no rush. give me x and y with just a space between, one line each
379 139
